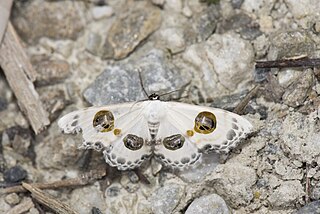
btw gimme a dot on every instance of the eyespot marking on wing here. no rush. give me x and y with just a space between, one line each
103 121
205 122
133 142
174 142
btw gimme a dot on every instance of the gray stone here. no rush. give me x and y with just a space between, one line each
206 22
315 192
55 20
301 138
236 3
84 198
54 99
258 8
158 2
50 71
173 5
229 102
303 11
94 43
296 93
233 182
214 60
58 152
128 185
198 173
287 76
287 194
119 201
130 29
4 207
15 174
172 39
243 24
291 44
165 199
119 84
12 199
33 210
210 204
311 208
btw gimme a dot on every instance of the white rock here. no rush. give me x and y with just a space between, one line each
231 58
173 39
266 23
210 204
287 76
258 7
84 198
166 198
303 8
101 12
289 193
234 182
175 5
187 11
224 61
158 2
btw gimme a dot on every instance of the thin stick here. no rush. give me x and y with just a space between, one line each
5 8
20 74
48 200
141 82
243 103
80 181
289 63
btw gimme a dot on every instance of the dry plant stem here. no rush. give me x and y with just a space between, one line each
48 200
289 63
240 107
307 185
20 74
23 207
81 181
5 8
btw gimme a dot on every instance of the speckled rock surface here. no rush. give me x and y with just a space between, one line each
209 204
91 52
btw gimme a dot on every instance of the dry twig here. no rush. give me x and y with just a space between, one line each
5 8
48 200
84 179
240 107
304 62
20 74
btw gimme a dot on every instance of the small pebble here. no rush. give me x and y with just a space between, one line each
133 177
113 191
96 210
33 210
102 12
15 174
12 199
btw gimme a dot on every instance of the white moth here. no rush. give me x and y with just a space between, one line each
174 133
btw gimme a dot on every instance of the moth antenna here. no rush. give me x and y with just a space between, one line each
141 82
181 88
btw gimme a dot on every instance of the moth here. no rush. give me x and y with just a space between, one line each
176 134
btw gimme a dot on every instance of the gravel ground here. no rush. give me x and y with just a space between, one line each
87 53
